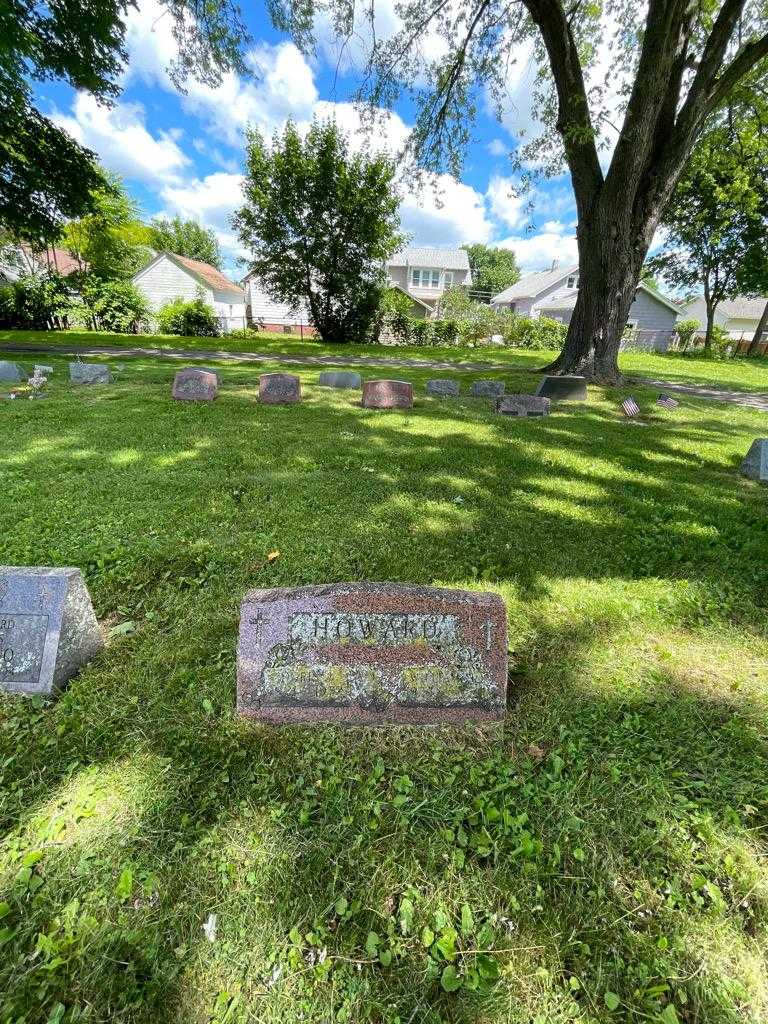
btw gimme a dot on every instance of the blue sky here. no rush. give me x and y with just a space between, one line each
183 153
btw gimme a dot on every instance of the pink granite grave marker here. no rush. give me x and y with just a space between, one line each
194 385
387 394
279 388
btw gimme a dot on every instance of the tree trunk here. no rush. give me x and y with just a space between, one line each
710 330
611 254
762 327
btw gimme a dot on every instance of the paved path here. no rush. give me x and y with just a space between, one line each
743 398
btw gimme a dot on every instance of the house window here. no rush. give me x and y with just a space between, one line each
573 281
448 279
425 277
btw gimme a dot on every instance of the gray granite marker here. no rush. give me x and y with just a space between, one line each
487 388
42 370
563 389
755 464
443 388
89 373
372 653
523 405
48 629
11 371
340 379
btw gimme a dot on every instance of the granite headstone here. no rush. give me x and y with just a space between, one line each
42 370
487 388
755 464
387 394
195 385
563 389
371 653
443 388
523 405
340 379
279 388
89 373
48 629
10 371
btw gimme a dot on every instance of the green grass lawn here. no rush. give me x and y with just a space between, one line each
737 374
603 860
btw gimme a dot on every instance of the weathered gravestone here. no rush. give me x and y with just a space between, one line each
43 371
195 385
340 379
563 389
279 388
443 388
387 394
48 629
211 369
369 653
89 373
487 388
10 371
755 464
523 405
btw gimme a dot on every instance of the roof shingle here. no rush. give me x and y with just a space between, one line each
213 277
425 256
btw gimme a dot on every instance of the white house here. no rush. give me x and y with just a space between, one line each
170 276
270 315
739 316
553 293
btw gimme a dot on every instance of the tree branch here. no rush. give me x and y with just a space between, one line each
748 56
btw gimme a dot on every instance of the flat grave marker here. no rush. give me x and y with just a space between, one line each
279 389
487 388
523 405
387 394
89 373
372 653
755 463
48 629
195 385
340 379
563 389
443 388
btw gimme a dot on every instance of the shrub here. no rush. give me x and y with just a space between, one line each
193 318
532 332
111 306
421 332
685 331
445 332
34 302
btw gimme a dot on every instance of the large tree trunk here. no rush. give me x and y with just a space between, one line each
762 327
710 329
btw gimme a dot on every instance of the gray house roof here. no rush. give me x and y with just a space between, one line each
569 301
531 285
742 308
418 256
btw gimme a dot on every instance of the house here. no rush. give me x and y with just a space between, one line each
268 314
553 293
424 274
739 316
21 259
170 276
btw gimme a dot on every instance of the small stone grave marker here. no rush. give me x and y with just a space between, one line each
89 373
48 629
10 371
279 388
563 389
371 653
523 405
387 394
487 388
195 385
755 464
340 379
42 370
443 388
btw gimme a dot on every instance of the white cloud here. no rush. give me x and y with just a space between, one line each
122 141
539 251
498 148
210 200
507 207
444 211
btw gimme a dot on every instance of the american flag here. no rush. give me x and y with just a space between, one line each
630 407
666 402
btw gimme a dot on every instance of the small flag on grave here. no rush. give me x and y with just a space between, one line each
666 402
630 407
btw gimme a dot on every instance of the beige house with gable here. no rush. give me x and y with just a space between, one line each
425 273
170 276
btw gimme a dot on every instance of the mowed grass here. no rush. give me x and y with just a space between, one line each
740 374
603 859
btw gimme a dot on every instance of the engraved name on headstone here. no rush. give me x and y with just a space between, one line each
369 653
487 388
279 388
195 385
443 388
340 379
89 373
387 394
523 405
48 629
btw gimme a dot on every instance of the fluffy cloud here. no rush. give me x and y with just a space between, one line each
539 251
120 137
211 200
507 207
443 211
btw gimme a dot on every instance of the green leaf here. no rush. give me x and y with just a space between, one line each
669 1015
578 854
488 966
295 936
340 906
124 887
5 908
450 980
574 983
446 944
372 944
427 937
385 957
467 921
32 858
611 1000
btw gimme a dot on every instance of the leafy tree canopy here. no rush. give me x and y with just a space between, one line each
186 238
45 175
320 222
493 269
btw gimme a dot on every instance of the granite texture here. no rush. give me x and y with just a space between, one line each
195 385
341 379
487 388
11 371
279 388
387 394
42 370
372 653
563 389
443 388
523 405
89 373
48 629
755 464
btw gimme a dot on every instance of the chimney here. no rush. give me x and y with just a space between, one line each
555 264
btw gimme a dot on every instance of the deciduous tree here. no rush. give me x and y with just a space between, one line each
493 269
186 238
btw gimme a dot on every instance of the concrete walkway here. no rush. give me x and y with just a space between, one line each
743 398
